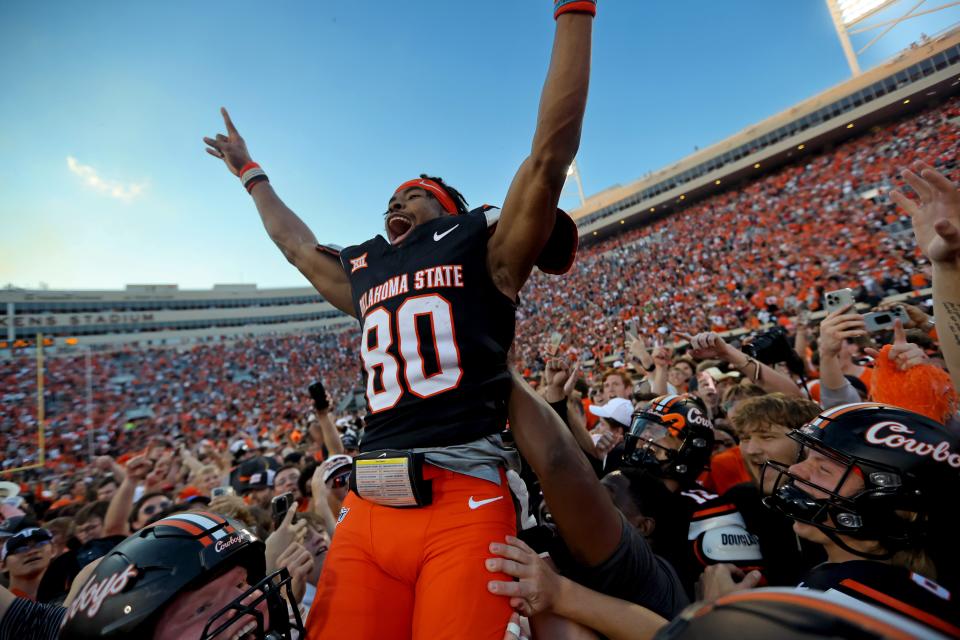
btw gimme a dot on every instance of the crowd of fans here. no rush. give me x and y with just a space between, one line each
753 254
217 392
726 467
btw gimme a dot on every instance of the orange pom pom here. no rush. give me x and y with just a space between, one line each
924 389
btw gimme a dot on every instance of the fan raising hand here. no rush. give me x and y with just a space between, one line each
936 216
904 354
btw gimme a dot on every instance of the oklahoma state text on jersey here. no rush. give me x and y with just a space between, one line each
435 335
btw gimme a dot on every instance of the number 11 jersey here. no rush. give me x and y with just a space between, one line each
435 335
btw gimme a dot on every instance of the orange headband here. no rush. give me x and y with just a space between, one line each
434 189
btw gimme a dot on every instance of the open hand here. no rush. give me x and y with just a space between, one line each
638 350
230 148
538 586
936 216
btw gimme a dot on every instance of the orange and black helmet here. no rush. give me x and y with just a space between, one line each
137 579
672 438
908 463
790 614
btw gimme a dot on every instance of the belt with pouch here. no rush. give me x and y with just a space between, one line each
392 478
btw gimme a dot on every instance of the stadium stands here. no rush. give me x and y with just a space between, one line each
252 387
752 254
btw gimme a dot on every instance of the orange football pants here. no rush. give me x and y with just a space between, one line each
416 573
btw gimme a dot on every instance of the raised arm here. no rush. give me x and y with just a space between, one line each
839 325
285 228
588 521
710 345
116 522
558 381
936 224
529 210
320 500
324 432
6 599
189 460
661 362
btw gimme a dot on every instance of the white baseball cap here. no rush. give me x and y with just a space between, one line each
620 410
9 489
718 375
335 464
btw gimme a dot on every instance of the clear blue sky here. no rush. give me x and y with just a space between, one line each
103 178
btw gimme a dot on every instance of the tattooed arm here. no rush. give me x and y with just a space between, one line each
936 224
946 310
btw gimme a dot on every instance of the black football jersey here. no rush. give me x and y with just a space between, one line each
717 533
891 587
435 335
786 557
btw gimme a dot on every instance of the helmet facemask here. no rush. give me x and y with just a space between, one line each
869 514
646 446
275 590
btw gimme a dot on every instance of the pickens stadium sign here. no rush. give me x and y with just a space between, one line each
74 320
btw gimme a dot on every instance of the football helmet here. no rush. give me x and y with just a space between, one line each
908 463
133 584
679 419
789 614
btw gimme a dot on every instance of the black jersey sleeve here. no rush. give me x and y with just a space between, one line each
890 587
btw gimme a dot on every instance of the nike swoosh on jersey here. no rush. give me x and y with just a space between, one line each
437 237
475 504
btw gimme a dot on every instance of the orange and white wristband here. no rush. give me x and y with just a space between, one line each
251 174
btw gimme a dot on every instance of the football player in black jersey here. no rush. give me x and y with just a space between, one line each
874 488
436 300
673 440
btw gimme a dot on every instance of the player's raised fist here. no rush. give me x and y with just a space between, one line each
230 148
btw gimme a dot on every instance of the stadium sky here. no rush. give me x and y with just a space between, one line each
103 178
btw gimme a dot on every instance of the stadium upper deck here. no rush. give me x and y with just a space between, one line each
160 315
911 81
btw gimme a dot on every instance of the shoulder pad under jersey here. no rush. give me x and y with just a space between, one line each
489 211
725 515
560 251
728 543
330 249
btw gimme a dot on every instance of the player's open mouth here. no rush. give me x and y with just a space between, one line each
398 227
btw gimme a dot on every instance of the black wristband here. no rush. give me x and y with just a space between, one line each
560 406
249 184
